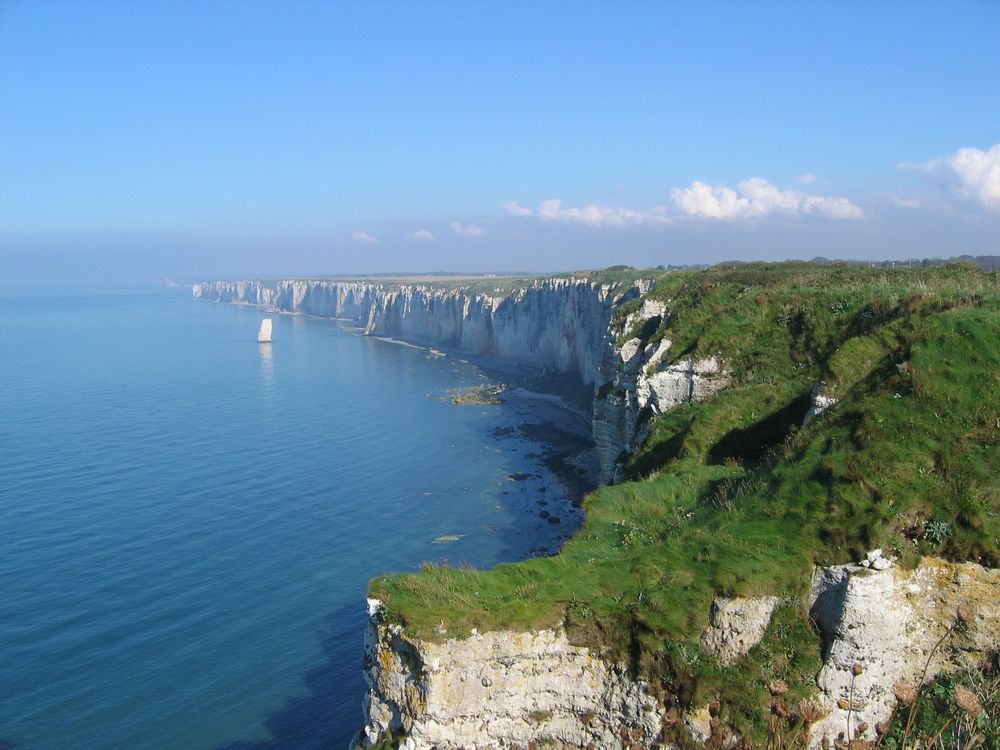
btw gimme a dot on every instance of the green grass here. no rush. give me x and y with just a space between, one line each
732 497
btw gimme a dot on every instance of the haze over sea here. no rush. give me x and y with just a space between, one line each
190 519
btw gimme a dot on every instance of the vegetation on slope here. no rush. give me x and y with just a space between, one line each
732 496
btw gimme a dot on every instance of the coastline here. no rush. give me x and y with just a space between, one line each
556 464
546 417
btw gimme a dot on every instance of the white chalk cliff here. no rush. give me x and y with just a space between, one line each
513 689
558 325
500 689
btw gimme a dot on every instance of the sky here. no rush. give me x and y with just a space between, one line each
219 139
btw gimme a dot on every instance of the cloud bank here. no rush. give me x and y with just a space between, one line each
422 235
970 173
751 198
512 208
599 216
364 238
757 197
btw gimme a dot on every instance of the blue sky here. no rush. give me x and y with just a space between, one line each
250 138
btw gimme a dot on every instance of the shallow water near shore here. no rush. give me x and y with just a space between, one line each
190 519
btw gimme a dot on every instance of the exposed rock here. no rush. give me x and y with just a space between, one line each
478 395
503 689
498 690
630 354
736 626
559 325
818 404
638 387
888 621
698 722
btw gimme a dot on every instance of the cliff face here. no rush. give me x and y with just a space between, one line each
556 325
340 299
889 620
638 384
499 689
507 689
511 689
553 326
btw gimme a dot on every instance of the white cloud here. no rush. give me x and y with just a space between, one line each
600 216
422 235
807 178
469 230
516 210
751 198
757 197
364 238
905 202
971 173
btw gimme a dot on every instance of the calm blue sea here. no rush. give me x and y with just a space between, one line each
188 520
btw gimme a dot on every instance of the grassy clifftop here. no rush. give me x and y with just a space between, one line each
732 496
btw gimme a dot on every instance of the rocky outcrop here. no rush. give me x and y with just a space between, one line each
894 623
333 299
499 690
510 689
639 382
819 402
736 626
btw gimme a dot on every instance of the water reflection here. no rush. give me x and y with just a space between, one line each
266 367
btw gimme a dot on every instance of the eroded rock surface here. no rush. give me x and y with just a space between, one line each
889 621
819 402
736 626
498 690
638 385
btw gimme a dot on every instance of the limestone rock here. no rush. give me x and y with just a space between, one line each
558 324
888 622
698 722
639 386
818 404
498 690
736 626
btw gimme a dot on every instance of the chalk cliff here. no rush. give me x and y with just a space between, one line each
556 326
512 689
500 689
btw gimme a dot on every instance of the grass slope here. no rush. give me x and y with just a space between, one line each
732 497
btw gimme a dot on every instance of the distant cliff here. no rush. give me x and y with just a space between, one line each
555 326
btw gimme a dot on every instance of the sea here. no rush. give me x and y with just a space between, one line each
189 519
